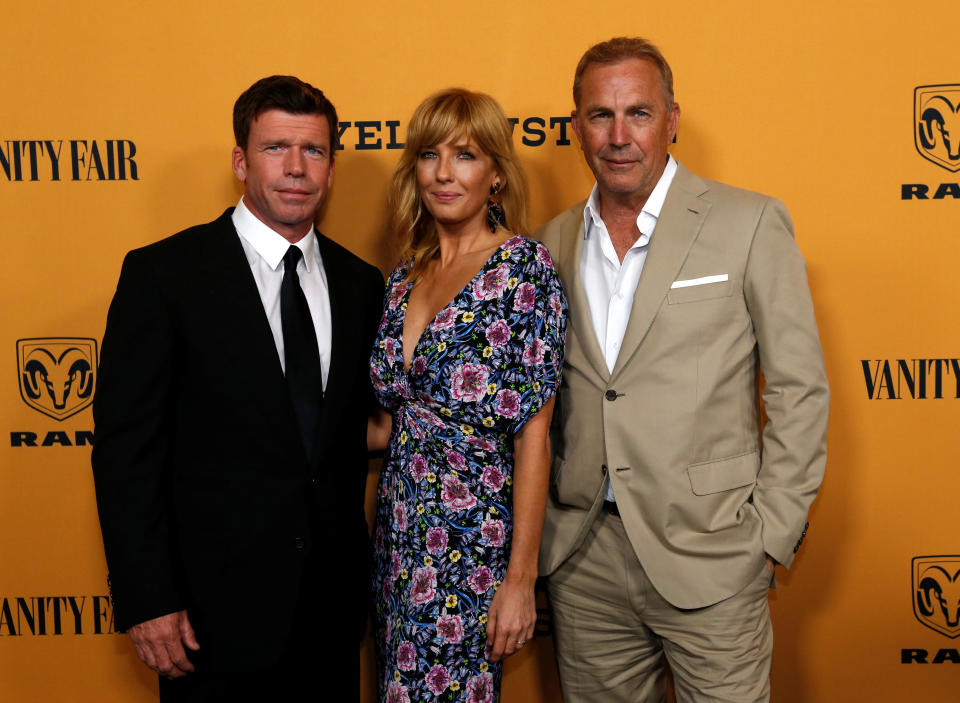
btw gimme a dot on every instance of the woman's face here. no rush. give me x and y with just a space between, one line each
454 178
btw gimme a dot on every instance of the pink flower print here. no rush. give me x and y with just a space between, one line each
446 318
492 478
508 403
450 628
425 416
480 580
423 585
406 656
543 255
493 532
498 333
533 352
555 307
396 295
416 431
378 539
492 283
418 366
400 516
482 443
455 493
395 566
438 678
469 382
389 348
480 688
397 693
524 297
436 540
418 467
456 460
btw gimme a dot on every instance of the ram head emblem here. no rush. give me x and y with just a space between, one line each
57 374
937 124
936 593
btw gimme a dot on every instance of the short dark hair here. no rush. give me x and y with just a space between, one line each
623 49
286 93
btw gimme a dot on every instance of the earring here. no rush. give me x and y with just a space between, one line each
495 213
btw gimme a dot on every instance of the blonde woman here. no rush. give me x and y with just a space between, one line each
466 364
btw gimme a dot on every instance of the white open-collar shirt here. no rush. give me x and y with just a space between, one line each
610 284
264 249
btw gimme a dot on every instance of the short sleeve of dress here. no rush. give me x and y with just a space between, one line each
541 305
383 357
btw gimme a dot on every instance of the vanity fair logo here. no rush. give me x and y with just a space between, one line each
39 616
916 379
26 160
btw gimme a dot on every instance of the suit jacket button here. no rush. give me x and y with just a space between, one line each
299 542
603 469
610 394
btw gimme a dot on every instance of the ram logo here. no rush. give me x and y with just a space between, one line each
936 593
936 124
57 374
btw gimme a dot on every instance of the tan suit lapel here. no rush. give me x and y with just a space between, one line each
568 265
679 224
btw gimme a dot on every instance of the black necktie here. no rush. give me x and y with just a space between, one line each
300 350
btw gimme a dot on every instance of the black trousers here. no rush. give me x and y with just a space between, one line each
320 662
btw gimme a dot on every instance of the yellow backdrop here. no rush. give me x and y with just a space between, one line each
115 131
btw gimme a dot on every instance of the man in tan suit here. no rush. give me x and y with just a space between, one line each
668 510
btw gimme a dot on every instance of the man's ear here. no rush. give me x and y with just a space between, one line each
576 126
673 121
239 162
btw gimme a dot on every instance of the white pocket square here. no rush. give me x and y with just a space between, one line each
700 281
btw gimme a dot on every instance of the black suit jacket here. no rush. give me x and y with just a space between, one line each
206 498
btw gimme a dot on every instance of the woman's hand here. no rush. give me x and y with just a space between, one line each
512 616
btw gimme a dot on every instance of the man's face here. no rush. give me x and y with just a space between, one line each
286 169
625 125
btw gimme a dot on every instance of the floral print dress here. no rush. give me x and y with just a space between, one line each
484 366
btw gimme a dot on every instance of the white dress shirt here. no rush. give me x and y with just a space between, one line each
610 284
265 249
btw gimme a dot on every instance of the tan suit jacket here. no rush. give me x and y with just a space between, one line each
675 426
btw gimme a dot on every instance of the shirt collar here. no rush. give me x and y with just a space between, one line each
649 213
267 243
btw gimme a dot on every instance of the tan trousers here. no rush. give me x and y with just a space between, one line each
613 632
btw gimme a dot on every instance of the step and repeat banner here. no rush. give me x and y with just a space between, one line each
115 131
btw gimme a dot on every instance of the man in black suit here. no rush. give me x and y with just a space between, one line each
230 420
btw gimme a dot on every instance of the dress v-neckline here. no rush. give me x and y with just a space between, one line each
406 298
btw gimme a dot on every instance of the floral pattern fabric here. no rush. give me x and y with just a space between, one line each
485 365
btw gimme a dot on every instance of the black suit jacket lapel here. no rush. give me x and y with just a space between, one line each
241 313
344 345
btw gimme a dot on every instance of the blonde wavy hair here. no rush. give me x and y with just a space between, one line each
460 113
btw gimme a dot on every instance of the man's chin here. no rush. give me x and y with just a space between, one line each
621 186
